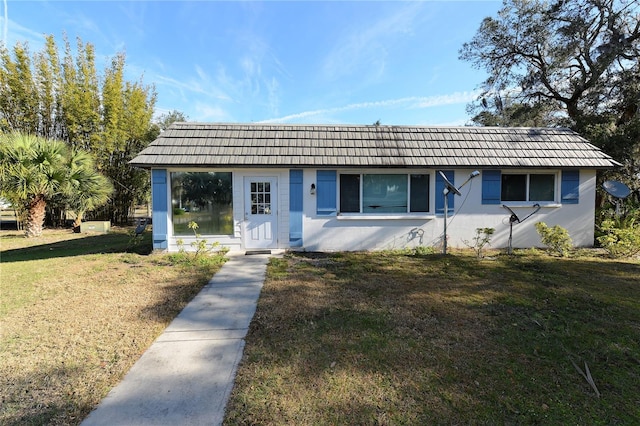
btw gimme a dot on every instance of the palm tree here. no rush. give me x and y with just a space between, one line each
86 188
33 170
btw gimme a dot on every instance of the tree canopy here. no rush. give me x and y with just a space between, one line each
35 171
558 62
67 99
581 54
168 118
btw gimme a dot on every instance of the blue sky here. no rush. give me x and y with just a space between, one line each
328 62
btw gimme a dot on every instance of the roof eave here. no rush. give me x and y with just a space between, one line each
345 166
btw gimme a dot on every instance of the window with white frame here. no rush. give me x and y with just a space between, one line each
202 197
384 193
528 187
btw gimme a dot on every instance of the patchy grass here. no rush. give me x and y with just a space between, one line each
387 338
77 311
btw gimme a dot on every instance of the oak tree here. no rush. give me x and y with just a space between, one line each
559 62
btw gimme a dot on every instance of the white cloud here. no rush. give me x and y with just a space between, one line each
365 48
439 100
453 123
207 112
249 66
202 75
413 102
274 99
12 33
202 85
5 21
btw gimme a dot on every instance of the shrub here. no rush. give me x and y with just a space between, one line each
423 250
620 238
556 238
201 247
482 238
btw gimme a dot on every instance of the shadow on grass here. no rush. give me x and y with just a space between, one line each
47 394
63 386
113 242
448 340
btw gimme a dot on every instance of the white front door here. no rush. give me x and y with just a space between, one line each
260 212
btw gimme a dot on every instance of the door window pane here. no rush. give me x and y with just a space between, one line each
260 198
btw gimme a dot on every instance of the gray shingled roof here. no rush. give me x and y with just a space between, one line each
322 146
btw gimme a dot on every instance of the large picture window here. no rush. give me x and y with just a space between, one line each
528 187
384 193
204 198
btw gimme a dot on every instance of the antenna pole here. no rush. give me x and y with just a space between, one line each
510 248
446 208
449 187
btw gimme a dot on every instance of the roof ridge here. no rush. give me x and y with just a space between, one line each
367 126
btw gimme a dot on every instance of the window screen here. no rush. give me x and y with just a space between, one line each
350 193
419 193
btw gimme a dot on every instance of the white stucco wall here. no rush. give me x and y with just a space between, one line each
338 233
578 219
323 233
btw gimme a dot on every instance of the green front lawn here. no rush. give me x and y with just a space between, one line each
389 338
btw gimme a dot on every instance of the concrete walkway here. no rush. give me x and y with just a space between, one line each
187 374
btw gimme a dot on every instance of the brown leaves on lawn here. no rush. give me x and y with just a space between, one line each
78 325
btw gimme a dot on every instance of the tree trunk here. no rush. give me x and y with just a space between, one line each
35 217
79 217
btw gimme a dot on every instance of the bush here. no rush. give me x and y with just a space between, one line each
423 251
202 249
482 238
556 238
620 238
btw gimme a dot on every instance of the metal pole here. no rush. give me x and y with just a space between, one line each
448 188
510 247
446 208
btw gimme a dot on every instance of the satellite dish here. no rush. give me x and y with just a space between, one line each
617 189
514 217
451 187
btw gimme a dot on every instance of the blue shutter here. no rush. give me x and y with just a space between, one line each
440 188
491 186
159 203
295 208
326 192
570 187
